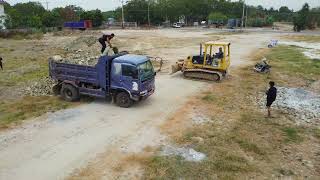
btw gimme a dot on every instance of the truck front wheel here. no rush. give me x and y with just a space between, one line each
123 100
69 93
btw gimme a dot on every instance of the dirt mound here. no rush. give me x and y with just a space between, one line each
41 87
302 105
83 51
81 43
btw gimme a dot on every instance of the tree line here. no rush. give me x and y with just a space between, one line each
34 15
191 11
306 18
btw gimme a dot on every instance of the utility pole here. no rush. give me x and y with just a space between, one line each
166 11
245 25
242 20
122 14
47 3
149 12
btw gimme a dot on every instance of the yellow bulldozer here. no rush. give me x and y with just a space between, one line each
211 64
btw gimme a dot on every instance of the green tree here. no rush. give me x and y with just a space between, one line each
217 18
284 14
314 18
269 21
300 20
68 13
109 14
284 9
95 16
137 11
51 19
25 15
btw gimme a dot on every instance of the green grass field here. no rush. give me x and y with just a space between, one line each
290 60
21 67
310 38
246 143
12 113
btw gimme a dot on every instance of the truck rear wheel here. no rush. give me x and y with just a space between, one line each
123 100
56 89
69 93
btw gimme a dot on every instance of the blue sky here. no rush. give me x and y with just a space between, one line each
112 4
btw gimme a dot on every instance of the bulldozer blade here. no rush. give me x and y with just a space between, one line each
175 68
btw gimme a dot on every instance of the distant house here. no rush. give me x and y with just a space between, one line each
2 14
111 21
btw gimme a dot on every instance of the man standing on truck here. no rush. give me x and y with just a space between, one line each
105 38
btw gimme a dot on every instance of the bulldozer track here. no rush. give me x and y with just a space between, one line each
203 74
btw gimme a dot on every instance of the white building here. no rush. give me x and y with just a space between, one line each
2 14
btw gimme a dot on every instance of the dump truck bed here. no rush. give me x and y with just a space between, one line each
73 72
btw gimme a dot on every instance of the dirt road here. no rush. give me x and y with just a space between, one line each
54 145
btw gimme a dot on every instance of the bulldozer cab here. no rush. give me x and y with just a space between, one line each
213 55
211 64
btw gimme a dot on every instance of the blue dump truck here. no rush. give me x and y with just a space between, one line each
125 78
82 25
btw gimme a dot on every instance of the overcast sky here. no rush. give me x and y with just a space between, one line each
112 4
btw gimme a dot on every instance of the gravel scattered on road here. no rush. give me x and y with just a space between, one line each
188 154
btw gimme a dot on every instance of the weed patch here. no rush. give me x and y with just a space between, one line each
249 146
15 73
316 132
176 168
292 134
209 98
285 172
14 112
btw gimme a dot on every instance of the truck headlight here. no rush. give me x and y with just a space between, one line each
144 92
135 86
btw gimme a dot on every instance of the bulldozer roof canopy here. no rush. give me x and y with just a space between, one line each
217 43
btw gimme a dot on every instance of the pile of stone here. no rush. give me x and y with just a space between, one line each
83 51
302 105
86 59
188 154
41 87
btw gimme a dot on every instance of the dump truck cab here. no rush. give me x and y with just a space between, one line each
134 74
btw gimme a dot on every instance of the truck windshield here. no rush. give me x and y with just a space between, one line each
146 71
